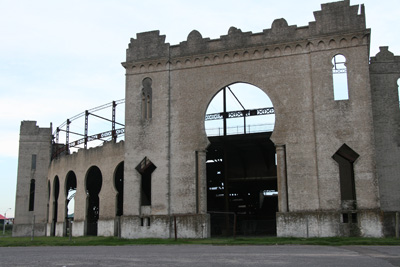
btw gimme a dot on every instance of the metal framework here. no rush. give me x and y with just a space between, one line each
113 133
238 113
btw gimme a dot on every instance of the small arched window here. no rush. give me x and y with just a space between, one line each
146 99
339 74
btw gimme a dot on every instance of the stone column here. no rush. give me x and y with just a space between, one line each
201 182
282 179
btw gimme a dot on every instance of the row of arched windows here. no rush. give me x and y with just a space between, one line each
93 186
339 74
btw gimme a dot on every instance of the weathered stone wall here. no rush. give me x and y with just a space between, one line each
33 141
385 72
106 158
293 66
168 89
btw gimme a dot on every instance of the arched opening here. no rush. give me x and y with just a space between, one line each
119 199
119 186
70 191
94 180
56 192
339 76
241 162
345 158
145 168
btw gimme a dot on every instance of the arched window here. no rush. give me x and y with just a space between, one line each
146 168
146 98
339 74
70 191
345 157
94 181
119 186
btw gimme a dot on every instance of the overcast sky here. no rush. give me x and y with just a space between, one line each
59 58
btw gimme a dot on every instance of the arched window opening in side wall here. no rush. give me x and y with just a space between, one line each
94 181
146 99
339 75
32 195
345 157
119 186
70 191
146 168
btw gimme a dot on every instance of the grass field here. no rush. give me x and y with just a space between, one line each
7 241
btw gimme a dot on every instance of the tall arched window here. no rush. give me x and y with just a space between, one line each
146 168
339 74
345 157
146 98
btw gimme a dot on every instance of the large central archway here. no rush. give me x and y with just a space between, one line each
242 195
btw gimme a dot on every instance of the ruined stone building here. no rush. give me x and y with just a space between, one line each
330 167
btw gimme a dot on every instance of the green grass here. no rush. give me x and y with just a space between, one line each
8 230
6 241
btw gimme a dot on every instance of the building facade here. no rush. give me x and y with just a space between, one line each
332 158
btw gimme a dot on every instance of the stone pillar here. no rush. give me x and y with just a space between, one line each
282 179
201 182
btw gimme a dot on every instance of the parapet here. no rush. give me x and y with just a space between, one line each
338 17
384 55
384 62
29 128
333 18
147 45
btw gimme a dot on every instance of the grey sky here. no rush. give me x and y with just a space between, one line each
58 58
